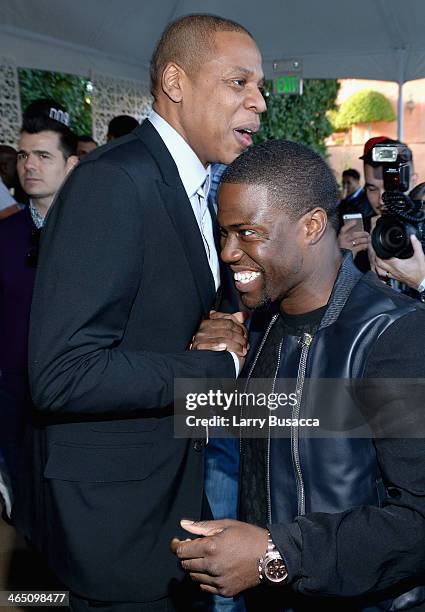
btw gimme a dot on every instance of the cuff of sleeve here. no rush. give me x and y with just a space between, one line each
288 541
421 286
236 360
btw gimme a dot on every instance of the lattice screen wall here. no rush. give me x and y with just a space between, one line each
113 96
10 104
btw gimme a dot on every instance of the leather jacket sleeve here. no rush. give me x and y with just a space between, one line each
368 549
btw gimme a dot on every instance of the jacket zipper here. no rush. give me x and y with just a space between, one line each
254 363
305 343
268 487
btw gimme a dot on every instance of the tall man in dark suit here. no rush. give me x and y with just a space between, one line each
127 271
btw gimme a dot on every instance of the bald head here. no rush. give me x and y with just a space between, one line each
189 42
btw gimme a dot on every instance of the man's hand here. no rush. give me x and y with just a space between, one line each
223 332
353 239
225 560
410 271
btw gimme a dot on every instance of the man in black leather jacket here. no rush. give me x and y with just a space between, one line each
336 522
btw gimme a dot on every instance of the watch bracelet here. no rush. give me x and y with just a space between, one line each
270 548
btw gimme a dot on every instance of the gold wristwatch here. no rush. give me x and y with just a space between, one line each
271 566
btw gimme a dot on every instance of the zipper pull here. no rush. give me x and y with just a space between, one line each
305 340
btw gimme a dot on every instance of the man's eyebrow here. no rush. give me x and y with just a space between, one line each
237 225
243 70
248 73
36 152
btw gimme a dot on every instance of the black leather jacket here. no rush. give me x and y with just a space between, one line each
343 477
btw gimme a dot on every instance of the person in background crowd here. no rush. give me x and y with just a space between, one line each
86 144
128 272
410 272
8 181
354 195
333 521
47 107
351 187
47 153
120 126
374 182
350 237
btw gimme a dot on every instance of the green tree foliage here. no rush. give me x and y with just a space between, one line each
68 89
365 106
300 118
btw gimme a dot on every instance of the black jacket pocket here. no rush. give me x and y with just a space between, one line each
78 463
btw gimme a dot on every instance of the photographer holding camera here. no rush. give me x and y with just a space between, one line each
395 249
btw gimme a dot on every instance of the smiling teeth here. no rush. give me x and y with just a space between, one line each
245 277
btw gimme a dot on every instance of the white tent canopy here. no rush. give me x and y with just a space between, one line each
372 39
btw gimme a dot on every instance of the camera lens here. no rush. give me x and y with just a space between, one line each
391 238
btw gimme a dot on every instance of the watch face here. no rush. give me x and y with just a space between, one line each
275 569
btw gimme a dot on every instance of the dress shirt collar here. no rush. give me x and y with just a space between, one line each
37 219
192 173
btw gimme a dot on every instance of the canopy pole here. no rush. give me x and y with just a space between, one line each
402 59
400 112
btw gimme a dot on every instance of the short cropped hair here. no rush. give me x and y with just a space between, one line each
67 139
297 178
122 125
351 172
188 41
86 138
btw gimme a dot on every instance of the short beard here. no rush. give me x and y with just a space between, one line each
264 302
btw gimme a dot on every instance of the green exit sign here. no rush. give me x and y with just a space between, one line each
287 85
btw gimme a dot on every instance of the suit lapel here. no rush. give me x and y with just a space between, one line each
181 214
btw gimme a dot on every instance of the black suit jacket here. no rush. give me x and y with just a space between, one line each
122 285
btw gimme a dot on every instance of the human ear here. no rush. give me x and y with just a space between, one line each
71 162
171 81
315 223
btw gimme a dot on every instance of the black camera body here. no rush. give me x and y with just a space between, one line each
402 216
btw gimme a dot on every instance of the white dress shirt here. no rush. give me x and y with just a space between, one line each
196 181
